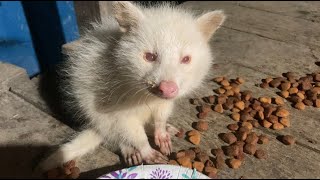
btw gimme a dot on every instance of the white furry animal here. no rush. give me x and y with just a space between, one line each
128 71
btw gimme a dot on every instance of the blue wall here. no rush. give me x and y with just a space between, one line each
32 33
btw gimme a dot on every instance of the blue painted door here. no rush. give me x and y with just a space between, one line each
32 33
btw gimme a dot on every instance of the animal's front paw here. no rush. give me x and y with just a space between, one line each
154 157
131 156
163 140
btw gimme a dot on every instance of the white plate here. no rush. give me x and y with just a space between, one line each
155 172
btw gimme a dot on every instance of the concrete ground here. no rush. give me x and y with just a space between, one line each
258 40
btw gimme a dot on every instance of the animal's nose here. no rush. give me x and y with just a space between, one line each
168 89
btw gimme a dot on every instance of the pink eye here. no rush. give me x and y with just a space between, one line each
186 60
150 57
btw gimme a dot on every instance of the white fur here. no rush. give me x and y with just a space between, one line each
108 79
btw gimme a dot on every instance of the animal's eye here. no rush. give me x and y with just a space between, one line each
150 57
186 60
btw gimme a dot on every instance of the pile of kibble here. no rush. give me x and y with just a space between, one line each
248 112
301 92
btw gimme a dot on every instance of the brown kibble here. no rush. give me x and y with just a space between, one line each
245 117
202 125
235 110
300 106
240 157
247 124
209 169
287 139
229 138
266 124
282 113
253 113
316 77
173 162
180 134
209 163
249 148
211 99
218 79
234 163
191 154
233 127
232 150
315 90
185 161
264 85
228 105
293 90
203 157
220 91
229 92
278 101
218 108
236 89
260 115
265 100
288 75
285 122
285 86
202 115
277 126
300 95
284 94
252 138
273 119
235 116
205 108
295 99
307 102
222 99
240 80
241 136
306 85
255 123
263 139
195 139
225 82
198 166
239 105
268 111
268 80
244 129
260 154
217 152
212 175
193 133
196 149
220 164
180 154
246 95
227 87
275 83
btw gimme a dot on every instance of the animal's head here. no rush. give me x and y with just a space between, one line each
166 47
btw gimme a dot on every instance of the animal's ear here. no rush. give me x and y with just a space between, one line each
210 22
127 14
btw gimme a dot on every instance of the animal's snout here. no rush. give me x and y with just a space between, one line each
168 89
